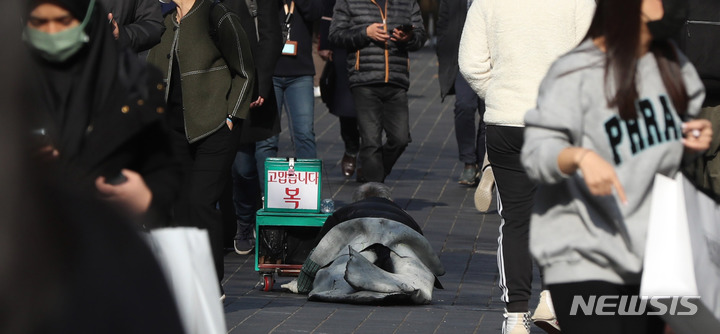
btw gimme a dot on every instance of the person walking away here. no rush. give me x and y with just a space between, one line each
378 36
609 117
470 140
505 50
262 25
340 102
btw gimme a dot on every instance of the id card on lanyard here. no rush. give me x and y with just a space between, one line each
290 46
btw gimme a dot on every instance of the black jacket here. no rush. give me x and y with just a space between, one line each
700 41
375 207
133 134
451 19
371 62
301 31
140 22
265 43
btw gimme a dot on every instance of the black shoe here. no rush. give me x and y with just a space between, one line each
244 246
244 242
469 175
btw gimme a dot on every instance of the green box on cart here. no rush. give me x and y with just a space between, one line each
293 185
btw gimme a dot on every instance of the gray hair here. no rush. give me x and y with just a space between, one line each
371 189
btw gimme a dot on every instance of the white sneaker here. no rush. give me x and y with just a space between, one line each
516 323
316 91
544 316
484 191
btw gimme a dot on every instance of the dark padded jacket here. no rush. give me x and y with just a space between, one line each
375 207
370 62
700 41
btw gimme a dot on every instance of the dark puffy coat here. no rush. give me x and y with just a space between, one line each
368 61
700 41
374 207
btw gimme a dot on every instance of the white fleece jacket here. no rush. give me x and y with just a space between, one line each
507 46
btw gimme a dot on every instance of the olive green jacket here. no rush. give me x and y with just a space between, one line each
215 83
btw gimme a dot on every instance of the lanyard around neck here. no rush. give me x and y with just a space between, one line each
292 8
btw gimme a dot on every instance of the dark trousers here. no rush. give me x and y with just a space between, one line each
470 140
350 134
206 172
381 108
563 295
515 201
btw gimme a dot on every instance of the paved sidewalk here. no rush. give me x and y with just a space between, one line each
424 182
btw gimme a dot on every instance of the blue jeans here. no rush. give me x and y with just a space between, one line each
471 143
296 94
246 189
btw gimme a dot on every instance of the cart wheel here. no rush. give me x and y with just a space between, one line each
268 282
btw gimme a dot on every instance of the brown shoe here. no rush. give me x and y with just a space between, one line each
348 164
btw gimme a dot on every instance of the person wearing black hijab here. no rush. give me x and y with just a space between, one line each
99 112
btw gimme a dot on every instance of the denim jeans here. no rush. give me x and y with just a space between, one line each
296 95
471 143
381 108
246 189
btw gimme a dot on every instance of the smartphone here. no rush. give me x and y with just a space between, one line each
116 179
406 28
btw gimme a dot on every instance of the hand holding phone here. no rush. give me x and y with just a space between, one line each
406 28
402 33
116 179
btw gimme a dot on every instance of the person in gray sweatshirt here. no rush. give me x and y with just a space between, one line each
609 116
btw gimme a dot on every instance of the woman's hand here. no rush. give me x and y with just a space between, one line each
133 195
697 135
599 175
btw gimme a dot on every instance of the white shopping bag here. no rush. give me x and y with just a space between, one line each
185 256
682 254
668 268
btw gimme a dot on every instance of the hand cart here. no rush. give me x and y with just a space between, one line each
283 242
290 219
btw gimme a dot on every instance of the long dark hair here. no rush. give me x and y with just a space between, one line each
618 21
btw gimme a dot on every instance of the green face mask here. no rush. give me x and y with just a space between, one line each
58 47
